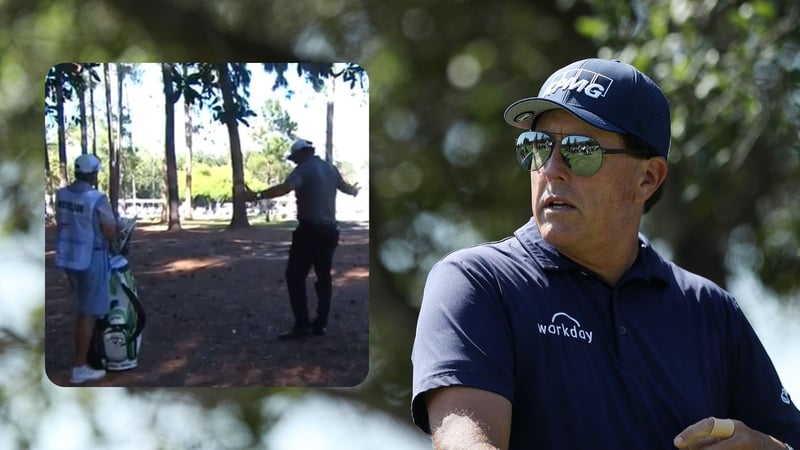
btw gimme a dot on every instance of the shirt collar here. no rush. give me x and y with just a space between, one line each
648 266
81 185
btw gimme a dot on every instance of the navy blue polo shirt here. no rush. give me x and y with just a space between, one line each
588 365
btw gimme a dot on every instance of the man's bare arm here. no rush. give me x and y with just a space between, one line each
347 188
468 418
271 192
109 231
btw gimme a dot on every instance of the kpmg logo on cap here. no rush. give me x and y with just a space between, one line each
593 84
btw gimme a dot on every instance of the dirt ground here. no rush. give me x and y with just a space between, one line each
215 301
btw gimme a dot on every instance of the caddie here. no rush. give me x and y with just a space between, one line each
85 228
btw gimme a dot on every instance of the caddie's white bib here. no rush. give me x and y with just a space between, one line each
76 233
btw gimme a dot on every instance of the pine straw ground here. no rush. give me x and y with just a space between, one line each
215 301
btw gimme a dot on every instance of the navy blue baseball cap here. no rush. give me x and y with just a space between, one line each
607 94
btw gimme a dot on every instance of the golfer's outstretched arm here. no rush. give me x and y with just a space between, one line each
347 188
271 192
468 418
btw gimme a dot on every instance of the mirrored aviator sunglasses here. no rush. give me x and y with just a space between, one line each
582 154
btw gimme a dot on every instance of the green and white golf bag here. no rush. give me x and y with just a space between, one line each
117 336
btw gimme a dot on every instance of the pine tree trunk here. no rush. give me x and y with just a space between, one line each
187 113
82 112
118 165
113 183
239 219
62 140
329 124
173 202
94 124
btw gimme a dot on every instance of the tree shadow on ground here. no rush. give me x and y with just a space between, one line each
215 301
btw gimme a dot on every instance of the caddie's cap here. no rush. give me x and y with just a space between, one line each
608 94
300 144
87 163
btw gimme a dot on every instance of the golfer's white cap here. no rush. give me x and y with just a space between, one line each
300 144
87 163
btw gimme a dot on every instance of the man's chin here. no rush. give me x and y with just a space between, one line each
558 234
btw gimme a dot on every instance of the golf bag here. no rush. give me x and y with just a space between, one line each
117 336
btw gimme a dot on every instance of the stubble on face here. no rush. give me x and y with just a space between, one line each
583 216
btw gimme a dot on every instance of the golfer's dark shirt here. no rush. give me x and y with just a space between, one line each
587 365
315 182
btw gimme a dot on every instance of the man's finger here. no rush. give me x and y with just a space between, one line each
722 428
710 427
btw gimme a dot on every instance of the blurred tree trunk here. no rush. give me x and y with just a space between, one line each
187 130
94 122
239 219
170 97
113 182
702 252
48 178
118 166
62 140
81 91
329 123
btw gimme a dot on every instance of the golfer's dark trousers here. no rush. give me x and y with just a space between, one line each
312 245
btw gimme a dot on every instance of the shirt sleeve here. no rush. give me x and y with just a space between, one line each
104 212
758 398
463 334
295 178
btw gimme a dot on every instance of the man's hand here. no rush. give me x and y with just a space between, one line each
347 188
699 435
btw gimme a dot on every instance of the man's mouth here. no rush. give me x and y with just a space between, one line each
556 203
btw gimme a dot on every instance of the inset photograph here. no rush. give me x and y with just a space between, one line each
207 224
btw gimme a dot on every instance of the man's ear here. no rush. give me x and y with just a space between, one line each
653 174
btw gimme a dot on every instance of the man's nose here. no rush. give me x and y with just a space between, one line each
556 166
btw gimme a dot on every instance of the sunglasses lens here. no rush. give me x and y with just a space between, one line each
533 149
583 155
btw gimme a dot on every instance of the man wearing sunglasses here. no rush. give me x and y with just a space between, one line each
574 333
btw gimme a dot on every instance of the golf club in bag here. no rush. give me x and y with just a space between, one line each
117 336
